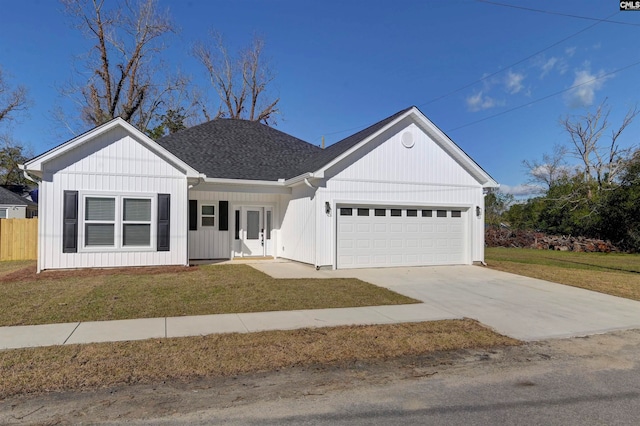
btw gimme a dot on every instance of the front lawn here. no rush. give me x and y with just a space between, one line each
617 274
111 294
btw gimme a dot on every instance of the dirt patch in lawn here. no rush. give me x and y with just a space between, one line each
20 273
77 367
112 294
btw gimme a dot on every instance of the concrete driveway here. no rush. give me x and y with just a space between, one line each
516 306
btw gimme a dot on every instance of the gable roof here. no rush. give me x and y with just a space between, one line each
353 143
13 199
335 150
240 149
234 149
35 164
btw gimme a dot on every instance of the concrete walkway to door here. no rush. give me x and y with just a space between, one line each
520 307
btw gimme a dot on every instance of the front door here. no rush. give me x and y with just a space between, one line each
255 231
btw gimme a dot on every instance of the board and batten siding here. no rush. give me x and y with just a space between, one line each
386 173
114 163
298 228
210 242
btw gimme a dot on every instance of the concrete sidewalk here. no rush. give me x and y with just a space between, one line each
148 328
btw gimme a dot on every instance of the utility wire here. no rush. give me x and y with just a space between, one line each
466 86
548 12
545 97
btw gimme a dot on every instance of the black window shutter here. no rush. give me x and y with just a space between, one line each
70 222
237 225
164 215
223 211
193 215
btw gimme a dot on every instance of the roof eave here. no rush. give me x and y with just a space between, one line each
35 165
244 182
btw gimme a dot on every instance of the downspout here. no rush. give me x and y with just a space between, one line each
40 222
484 195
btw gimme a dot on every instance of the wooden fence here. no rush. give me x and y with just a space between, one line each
18 239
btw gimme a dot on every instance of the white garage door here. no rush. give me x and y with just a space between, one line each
377 237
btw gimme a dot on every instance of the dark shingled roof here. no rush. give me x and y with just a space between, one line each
240 149
13 199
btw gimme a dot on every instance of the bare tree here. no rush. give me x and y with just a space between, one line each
12 99
241 82
124 65
602 158
550 170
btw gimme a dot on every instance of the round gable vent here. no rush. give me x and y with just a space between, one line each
407 139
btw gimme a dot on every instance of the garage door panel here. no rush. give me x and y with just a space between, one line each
427 243
395 244
345 227
405 240
363 227
380 244
412 244
412 227
363 244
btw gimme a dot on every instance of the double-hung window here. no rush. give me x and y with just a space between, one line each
100 221
136 222
117 221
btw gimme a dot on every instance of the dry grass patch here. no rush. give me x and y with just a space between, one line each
614 274
79 367
96 295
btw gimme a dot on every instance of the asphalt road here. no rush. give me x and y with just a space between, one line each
578 381
595 386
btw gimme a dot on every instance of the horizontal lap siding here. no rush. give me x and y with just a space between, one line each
117 163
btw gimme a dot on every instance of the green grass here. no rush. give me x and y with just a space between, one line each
96 295
617 274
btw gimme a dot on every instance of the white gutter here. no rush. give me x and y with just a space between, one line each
243 182
27 175
303 177
306 182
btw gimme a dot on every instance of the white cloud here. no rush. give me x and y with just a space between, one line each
584 88
479 102
513 82
522 190
553 63
548 66
597 46
570 51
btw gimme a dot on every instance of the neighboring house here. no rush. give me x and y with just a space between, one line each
398 193
13 206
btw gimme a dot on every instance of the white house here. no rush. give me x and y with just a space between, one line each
398 193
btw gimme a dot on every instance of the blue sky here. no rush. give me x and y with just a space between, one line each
343 65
